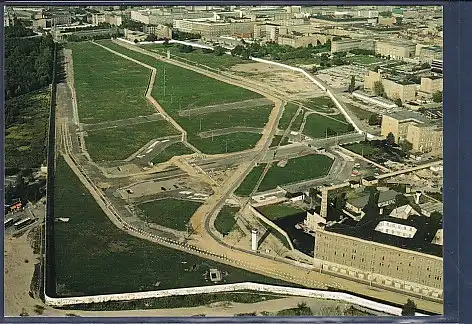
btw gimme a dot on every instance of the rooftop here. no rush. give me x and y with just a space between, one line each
406 115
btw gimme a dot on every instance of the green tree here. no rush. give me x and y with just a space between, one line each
390 138
378 88
401 200
352 84
438 96
398 102
219 50
373 119
406 146
409 309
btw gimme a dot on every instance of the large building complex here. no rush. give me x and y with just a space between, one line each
394 88
350 44
422 133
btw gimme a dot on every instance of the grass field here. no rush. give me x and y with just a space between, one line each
186 89
362 148
170 151
317 126
322 104
108 87
276 140
250 181
359 112
198 56
189 89
298 169
119 143
274 212
92 256
289 112
25 137
171 213
225 220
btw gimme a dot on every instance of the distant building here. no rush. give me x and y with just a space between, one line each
438 238
160 31
403 212
379 101
398 50
437 66
394 89
427 53
395 229
346 45
387 21
114 20
430 207
204 28
386 198
431 84
369 181
425 136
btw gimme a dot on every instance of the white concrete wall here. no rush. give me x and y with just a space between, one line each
301 292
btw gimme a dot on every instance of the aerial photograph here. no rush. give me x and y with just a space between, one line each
222 161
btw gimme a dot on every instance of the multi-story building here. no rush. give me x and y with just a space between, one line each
424 135
387 21
431 84
160 31
429 53
396 50
346 45
393 88
379 263
269 31
300 41
204 28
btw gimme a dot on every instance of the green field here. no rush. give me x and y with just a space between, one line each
298 169
93 257
322 104
225 220
108 87
317 126
198 56
186 89
359 112
363 148
276 140
274 212
250 181
176 149
25 135
289 112
120 142
171 213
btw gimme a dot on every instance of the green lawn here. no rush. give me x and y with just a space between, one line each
250 181
190 89
225 220
234 142
359 112
108 87
298 169
289 112
274 212
276 140
198 56
297 122
322 104
362 148
316 126
25 137
171 213
120 142
172 150
92 256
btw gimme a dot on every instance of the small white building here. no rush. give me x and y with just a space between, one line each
384 103
403 212
438 238
430 207
396 229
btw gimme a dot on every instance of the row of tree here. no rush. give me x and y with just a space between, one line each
17 30
28 64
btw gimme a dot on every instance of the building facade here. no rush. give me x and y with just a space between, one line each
431 85
383 264
396 50
350 44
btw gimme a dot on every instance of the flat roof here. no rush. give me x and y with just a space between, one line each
403 115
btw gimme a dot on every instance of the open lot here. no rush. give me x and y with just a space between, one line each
298 169
225 220
250 181
92 256
108 87
365 59
171 213
322 104
274 212
317 126
224 61
359 112
170 151
187 90
120 142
